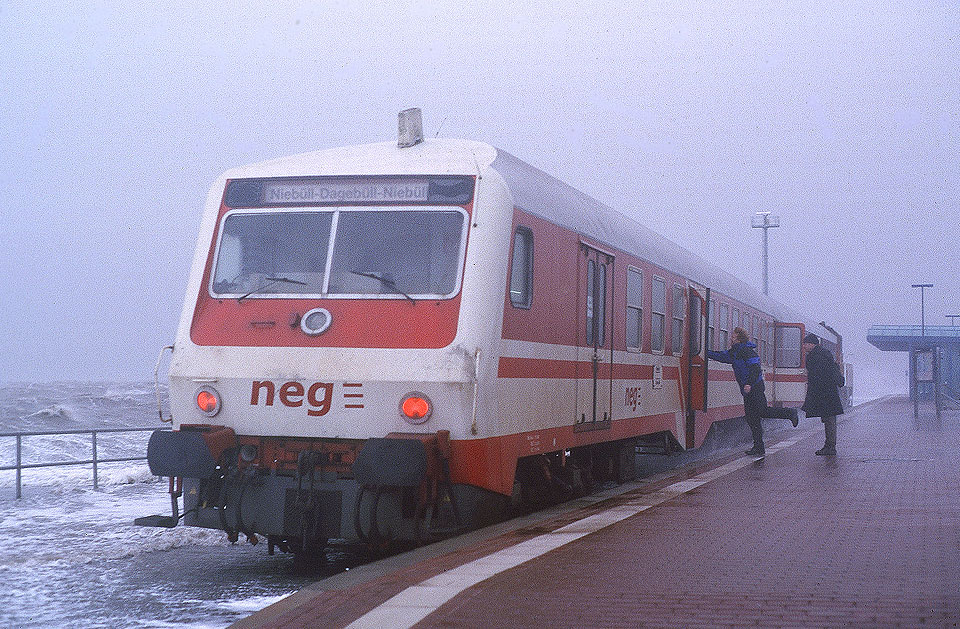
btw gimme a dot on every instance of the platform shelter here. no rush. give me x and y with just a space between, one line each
934 359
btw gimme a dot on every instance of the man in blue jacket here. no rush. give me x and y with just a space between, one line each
746 367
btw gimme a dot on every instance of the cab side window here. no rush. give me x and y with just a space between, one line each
521 269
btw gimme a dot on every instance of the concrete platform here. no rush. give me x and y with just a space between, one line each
870 537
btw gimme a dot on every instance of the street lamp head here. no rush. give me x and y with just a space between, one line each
764 220
921 285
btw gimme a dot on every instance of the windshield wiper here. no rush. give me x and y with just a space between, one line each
270 282
388 283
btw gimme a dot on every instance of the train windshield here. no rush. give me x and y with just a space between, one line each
390 253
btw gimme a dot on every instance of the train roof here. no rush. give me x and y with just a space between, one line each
533 191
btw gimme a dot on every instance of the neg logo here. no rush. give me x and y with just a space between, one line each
318 396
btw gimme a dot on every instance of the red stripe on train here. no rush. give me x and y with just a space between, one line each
572 369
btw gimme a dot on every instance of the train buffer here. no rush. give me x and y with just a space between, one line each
867 538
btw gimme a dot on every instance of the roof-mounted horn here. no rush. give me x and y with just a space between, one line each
410 128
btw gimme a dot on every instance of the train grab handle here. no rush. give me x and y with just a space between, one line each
156 382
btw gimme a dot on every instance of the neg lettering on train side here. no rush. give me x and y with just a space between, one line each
318 397
631 397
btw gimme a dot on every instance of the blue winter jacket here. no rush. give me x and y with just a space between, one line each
746 363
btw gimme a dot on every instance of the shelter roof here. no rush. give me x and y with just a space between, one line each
903 338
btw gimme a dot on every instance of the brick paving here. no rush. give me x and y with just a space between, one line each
868 538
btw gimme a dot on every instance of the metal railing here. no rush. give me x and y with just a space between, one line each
95 460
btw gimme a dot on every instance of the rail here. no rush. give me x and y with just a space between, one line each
950 394
95 460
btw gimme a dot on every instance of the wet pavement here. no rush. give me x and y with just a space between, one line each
870 537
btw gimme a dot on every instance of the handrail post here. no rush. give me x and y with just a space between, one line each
19 463
94 460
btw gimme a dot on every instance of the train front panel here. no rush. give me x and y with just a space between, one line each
325 380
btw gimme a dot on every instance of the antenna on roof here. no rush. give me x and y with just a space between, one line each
410 131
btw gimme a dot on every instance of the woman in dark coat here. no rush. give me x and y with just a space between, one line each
823 396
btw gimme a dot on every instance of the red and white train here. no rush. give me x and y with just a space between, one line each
394 342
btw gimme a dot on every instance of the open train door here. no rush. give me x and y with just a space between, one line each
787 356
693 362
595 343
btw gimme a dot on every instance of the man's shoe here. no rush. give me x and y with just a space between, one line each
825 451
794 417
755 451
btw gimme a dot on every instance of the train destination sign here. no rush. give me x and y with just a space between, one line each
339 190
345 191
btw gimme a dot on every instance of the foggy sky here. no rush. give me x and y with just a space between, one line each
843 118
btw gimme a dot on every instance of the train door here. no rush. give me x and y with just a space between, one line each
595 346
693 363
787 354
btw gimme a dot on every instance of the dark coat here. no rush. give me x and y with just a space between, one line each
823 378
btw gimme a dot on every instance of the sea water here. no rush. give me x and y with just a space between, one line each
70 556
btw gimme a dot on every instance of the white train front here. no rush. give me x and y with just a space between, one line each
395 343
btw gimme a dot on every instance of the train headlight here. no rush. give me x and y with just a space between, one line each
316 321
416 407
208 401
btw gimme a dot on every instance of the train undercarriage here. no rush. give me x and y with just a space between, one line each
299 494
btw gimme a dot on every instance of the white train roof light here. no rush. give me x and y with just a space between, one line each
410 131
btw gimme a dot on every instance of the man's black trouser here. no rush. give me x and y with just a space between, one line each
830 432
755 407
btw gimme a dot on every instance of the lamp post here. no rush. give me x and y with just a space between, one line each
923 327
764 221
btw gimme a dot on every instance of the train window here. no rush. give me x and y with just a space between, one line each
591 290
762 347
596 303
521 269
255 246
678 316
602 304
724 326
396 252
788 347
388 254
634 309
658 308
755 332
769 333
736 318
696 324
711 323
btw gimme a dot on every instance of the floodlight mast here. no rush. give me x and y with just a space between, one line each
923 324
764 221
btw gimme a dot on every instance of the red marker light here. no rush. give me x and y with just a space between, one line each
416 407
207 401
